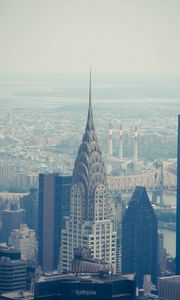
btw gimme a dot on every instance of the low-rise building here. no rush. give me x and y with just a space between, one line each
169 288
24 239
12 274
73 287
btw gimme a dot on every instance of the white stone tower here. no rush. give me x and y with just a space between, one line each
89 224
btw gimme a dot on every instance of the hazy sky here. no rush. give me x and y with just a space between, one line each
69 35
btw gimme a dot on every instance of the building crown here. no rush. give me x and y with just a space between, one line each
89 168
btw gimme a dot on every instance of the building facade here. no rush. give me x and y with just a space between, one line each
12 253
140 239
169 288
24 239
12 274
30 204
76 287
178 205
11 219
54 197
89 224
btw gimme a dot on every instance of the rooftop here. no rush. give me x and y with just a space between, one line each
175 278
8 261
27 295
95 278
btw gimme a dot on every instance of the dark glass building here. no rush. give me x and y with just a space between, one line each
54 201
77 287
178 205
30 204
139 238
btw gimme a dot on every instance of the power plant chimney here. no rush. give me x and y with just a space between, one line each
121 142
135 144
110 140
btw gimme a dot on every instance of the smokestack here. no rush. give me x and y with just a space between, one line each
110 140
121 142
135 144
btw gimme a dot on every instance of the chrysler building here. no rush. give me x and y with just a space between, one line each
89 225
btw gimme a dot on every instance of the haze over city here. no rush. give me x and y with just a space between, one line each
89 132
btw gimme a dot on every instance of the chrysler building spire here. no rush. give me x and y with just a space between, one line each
90 122
89 167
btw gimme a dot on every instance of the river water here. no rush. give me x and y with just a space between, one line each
169 240
169 235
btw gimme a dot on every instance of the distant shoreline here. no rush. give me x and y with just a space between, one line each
169 226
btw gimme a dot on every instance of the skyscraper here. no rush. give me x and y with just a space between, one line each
139 238
89 224
178 205
54 197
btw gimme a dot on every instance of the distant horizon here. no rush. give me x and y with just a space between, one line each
112 77
177 73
